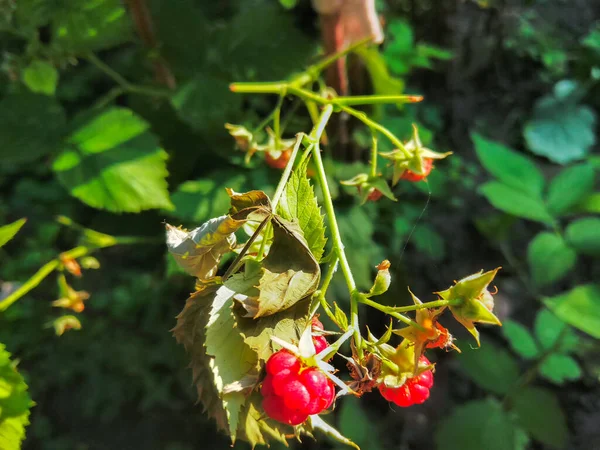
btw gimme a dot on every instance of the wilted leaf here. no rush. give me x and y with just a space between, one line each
231 358
291 273
513 169
241 201
550 258
112 162
40 77
199 251
540 414
14 404
579 307
520 339
299 204
490 366
515 202
569 188
561 129
31 125
480 424
316 423
190 331
584 235
259 429
7 232
559 368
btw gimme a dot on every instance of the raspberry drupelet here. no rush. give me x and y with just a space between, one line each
413 392
292 391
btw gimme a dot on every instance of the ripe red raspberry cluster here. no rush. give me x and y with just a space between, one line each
413 392
293 391
319 341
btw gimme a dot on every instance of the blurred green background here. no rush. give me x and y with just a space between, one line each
511 87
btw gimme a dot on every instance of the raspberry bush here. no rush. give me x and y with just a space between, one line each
261 360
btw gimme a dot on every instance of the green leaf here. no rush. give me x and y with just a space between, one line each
550 258
82 26
219 356
40 77
579 307
477 425
510 167
206 103
341 319
113 163
570 187
31 125
584 235
288 4
560 129
520 339
291 273
515 202
383 82
7 232
541 416
287 325
261 57
549 328
490 366
559 368
590 204
14 403
232 359
299 204
258 429
199 200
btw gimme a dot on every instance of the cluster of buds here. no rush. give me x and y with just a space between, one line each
277 151
412 162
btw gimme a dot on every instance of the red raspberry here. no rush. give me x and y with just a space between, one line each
409 175
413 392
375 195
281 161
292 391
320 342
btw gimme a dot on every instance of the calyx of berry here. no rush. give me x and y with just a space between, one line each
431 333
414 162
399 364
370 188
471 302
414 391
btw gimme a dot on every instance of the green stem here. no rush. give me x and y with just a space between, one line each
41 274
435 304
277 122
276 87
329 275
375 126
124 83
375 99
335 233
374 156
286 172
390 312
